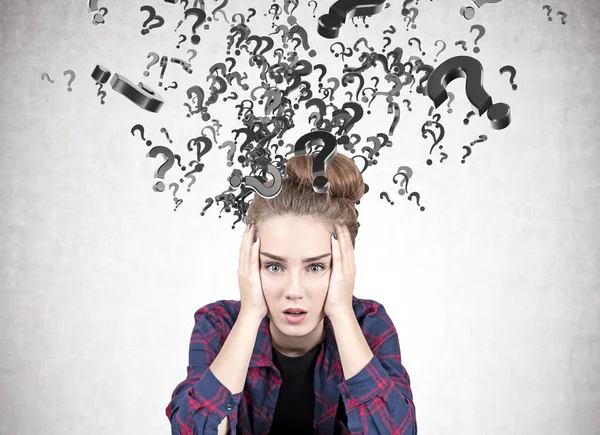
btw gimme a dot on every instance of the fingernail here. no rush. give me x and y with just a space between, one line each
250 227
335 236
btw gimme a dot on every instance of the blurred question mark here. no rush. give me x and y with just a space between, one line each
193 177
194 54
176 188
72 74
451 98
563 16
48 77
443 48
481 32
406 173
155 61
315 8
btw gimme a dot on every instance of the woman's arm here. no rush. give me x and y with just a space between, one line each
376 390
230 366
204 402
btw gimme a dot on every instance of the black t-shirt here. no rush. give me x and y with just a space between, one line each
294 411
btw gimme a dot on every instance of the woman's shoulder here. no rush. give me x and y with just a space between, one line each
365 309
223 310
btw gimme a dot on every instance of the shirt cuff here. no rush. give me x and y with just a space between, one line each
371 381
209 391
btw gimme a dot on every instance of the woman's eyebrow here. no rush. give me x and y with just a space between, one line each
304 260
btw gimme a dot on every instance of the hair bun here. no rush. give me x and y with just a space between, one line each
345 179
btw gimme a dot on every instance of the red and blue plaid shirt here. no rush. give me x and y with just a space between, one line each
378 399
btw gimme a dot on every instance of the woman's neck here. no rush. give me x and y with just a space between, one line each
297 346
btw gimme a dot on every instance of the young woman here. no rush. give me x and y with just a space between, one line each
255 367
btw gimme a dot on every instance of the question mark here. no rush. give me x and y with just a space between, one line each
549 10
155 61
412 18
48 77
443 48
389 41
72 74
481 30
174 190
140 128
470 69
382 194
152 12
416 194
164 130
315 8
200 18
466 120
467 154
258 183
406 173
99 16
462 43
451 98
418 44
162 169
100 91
320 162
563 16
330 23
192 182
513 72
194 54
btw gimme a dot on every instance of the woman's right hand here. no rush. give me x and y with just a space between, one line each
251 292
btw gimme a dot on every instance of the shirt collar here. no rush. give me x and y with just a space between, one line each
262 355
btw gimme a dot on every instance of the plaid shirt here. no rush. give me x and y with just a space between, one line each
378 399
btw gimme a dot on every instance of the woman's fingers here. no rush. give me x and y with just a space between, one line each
244 255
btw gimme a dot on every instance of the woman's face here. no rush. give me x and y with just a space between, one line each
289 281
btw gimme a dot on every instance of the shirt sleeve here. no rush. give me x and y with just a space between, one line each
378 399
200 402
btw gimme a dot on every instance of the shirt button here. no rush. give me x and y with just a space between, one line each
348 395
229 407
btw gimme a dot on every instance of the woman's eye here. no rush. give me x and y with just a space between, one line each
269 266
320 265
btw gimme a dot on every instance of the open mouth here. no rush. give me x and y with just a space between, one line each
294 316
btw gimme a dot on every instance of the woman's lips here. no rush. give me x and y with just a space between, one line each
294 318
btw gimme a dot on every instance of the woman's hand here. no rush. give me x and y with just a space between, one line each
341 280
252 298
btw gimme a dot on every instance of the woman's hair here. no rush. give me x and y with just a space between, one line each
298 197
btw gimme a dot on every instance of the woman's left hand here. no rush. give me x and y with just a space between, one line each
341 280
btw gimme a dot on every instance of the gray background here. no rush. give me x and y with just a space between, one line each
493 289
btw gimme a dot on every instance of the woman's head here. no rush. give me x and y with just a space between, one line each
296 225
298 198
